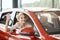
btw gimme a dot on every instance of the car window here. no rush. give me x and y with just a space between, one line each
50 21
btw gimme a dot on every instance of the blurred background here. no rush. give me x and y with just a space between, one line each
8 4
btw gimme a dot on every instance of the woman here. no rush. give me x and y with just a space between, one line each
21 24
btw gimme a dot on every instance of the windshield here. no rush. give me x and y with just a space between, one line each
50 21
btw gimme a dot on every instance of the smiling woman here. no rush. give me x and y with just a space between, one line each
22 22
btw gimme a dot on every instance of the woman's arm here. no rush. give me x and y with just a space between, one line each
7 20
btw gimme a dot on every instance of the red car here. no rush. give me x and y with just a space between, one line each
46 24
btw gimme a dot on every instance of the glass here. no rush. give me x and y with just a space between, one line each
50 21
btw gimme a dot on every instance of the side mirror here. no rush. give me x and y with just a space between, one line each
27 31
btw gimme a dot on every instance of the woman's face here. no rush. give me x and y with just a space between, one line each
22 18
